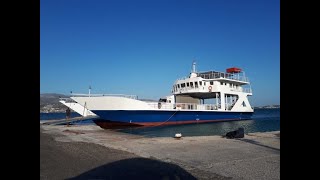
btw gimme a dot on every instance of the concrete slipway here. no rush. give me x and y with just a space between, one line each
257 156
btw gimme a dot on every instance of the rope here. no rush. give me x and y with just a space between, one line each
166 120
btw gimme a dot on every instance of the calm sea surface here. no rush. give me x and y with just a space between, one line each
263 120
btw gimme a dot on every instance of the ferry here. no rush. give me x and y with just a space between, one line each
202 97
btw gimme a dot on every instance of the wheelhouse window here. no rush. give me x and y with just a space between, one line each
200 83
196 84
187 84
211 82
191 84
178 85
183 85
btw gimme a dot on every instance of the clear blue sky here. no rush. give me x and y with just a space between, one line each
142 46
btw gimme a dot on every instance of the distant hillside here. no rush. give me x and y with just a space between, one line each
50 98
49 102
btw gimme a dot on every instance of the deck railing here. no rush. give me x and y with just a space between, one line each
216 75
187 106
99 95
245 90
204 89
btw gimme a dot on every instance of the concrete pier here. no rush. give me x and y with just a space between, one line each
256 156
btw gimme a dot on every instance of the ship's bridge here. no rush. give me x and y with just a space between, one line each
240 78
206 84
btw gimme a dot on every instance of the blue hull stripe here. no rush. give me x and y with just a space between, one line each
151 116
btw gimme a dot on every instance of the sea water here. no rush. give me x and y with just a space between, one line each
263 120
55 116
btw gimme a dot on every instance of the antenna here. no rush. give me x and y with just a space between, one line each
193 66
89 90
193 70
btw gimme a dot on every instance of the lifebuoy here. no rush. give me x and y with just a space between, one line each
210 88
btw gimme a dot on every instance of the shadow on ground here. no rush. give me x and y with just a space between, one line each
136 168
257 143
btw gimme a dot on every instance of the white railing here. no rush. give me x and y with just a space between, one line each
192 89
245 90
114 95
188 106
216 75
205 89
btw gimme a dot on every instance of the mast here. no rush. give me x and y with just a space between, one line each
193 70
193 67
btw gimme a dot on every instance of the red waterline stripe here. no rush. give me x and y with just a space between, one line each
112 124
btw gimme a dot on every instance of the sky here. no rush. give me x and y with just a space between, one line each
142 47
